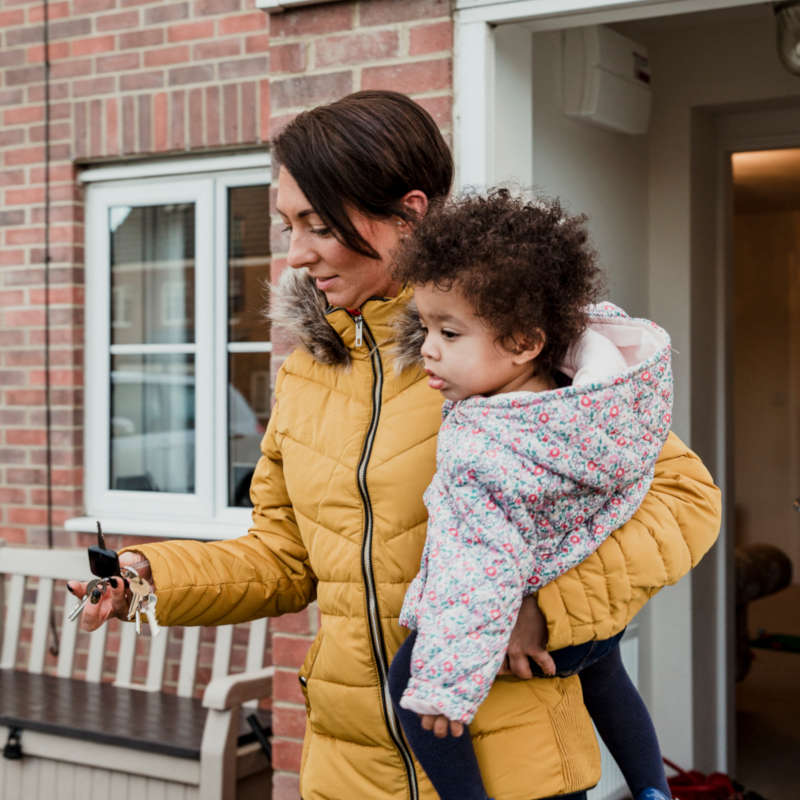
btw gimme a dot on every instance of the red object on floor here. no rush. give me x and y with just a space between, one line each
694 785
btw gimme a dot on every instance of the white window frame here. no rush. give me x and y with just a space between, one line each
204 182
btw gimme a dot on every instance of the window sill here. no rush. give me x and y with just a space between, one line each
157 528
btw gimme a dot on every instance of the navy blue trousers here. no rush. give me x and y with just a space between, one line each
613 702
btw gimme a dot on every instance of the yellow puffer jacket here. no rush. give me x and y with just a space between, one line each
339 517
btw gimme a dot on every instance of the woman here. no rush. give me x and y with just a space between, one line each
338 513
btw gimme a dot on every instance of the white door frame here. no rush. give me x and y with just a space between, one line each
493 132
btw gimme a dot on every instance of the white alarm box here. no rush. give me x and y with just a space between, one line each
606 79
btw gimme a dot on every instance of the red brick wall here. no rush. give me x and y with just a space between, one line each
136 78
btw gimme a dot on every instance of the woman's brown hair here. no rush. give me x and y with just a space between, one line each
364 152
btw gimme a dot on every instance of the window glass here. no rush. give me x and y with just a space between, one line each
152 274
152 423
248 334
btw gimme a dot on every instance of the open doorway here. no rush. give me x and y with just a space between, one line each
765 407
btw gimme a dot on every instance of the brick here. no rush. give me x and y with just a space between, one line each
434 38
230 114
12 177
160 122
11 339
310 90
298 623
18 197
145 127
212 133
24 318
244 67
202 73
12 495
383 12
203 7
69 28
196 126
119 62
11 258
355 48
9 138
12 58
263 107
54 11
58 132
25 35
13 377
15 457
145 38
289 721
27 516
315 20
417 76
285 786
95 134
259 43
16 77
10 97
118 21
221 48
289 650
128 124
16 217
288 58
23 358
94 86
177 127
249 127
72 68
440 108
35 53
92 45
137 81
22 436
81 139
242 23
92 6
167 55
24 155
8 19
58 91
286 754
167 12
13 535
190 30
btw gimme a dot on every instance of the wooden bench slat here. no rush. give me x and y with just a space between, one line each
156 661
126 655
190 647
41 625
97 652
14 598
100 712
67 638
222 651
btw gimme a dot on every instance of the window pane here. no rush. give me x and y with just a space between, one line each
248 412
152 423
248 263
152 274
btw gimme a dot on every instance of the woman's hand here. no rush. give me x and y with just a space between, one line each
441 725
528 639
115 600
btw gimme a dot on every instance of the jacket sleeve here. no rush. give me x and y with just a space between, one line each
476 569
264 573
676 524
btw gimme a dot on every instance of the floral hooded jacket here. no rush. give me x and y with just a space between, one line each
527 485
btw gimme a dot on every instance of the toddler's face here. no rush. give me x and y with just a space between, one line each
462 354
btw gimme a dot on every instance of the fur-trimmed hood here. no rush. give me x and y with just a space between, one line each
303 313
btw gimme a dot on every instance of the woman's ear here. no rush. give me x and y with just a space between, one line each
416 203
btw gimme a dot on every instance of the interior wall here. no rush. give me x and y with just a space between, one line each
766 349
598 172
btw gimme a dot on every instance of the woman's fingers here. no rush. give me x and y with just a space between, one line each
112 603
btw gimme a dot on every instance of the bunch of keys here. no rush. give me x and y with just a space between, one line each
104 564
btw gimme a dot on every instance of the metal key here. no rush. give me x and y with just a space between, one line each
90 587
139 591
150 608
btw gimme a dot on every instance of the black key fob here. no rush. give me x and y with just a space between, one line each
102 562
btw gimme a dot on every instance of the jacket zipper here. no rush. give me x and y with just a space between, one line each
373 617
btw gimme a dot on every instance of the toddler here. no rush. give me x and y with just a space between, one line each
555 413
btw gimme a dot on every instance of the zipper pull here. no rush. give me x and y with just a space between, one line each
359 330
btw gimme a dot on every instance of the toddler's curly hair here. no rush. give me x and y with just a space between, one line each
523 265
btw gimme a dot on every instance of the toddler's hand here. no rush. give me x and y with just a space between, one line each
441 725
528 639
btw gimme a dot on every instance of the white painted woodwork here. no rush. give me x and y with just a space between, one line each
190 647
41 625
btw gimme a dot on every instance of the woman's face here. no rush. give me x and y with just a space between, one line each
347 278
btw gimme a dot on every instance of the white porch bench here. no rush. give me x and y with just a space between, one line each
80 736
